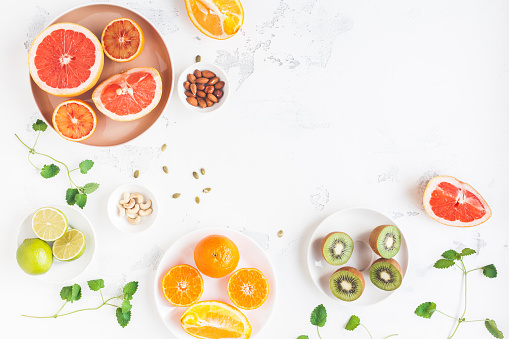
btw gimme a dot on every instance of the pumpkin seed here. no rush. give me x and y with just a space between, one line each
165 169
206 190
163 148
198 58
197 199
136 173
202 171
195 175
176 195
280 233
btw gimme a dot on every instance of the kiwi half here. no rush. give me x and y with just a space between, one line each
385 240
386 274
337 248
347 283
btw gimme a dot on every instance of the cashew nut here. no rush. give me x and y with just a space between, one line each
134 221
125 199
138 196
121 210
130 204
146 212
146 205
134 210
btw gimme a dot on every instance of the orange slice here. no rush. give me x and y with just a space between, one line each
66 60
122 40
248 288
454 203
74 120
130 95
182 285
215 320
218 19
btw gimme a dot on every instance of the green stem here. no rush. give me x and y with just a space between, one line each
472 321
318 331
83 309
366 330
392 335
459 267
445 314
101 295
60 309
30 161
36 139
475 269
465 307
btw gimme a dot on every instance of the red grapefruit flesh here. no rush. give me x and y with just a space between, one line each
455 203
66 59
122 40
74 120
130 95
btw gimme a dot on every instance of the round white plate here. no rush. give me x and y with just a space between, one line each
62 271
121 222
358 224
182 252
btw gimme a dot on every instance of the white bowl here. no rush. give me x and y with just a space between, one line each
203 66
62 271
121 222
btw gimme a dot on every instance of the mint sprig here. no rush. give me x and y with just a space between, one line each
452 258
76 195
73 293
355 322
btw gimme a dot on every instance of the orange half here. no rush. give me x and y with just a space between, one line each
248 288
182 285
218 19
74 120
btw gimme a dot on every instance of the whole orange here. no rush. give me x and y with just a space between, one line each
216 256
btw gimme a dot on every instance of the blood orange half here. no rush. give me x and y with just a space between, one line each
454 203
74 120
66 59
122 40
130 95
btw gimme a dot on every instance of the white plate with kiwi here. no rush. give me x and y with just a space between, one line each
346 268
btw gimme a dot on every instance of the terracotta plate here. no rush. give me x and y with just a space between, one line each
155 54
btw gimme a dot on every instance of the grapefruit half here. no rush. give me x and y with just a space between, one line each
122 40
130 95
74 120
454 203
66 59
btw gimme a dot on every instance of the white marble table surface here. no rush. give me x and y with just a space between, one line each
334 104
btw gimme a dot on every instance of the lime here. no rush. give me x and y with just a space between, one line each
34 256
49 224
70 246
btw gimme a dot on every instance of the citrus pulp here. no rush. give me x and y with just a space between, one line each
122 40
49 224
70 246
74 120
182 285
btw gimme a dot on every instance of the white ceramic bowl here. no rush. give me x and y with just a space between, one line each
121 222
203 66
63 271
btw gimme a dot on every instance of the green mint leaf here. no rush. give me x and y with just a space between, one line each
426 309
95 285
451 255
126 306
352 323
71 293
491 326
39 125
302 337
70 196
81 200
90 188
444 263
123 318
467 251
85 166
49 171
318 316
129 289
489 271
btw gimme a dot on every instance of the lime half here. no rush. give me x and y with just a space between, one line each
49 224
70 246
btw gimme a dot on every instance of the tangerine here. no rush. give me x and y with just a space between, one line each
182 285
216 256
248 288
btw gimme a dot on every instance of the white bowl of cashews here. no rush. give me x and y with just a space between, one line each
132 208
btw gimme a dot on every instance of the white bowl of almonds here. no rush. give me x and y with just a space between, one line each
203 87
132 208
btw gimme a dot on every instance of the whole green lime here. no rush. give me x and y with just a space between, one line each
34 256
